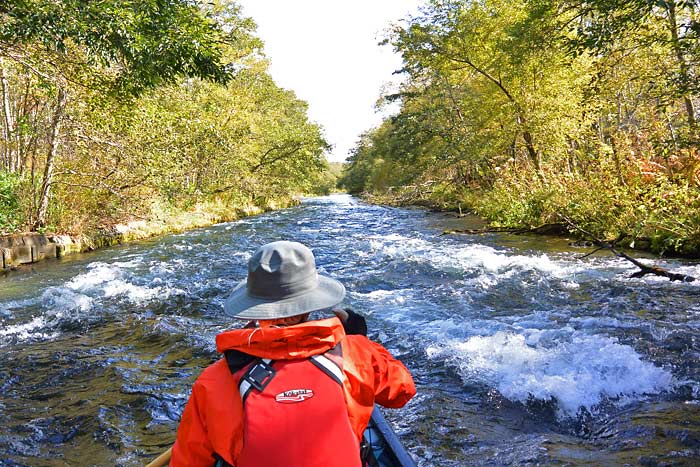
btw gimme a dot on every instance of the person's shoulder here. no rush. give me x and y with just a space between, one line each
358 344
214 372
358 340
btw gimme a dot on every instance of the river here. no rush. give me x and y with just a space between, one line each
523 353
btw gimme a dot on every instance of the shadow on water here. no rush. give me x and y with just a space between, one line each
523 354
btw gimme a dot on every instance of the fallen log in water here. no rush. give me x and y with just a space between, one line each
610 246
560 228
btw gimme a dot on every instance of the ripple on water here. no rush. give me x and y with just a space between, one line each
83 299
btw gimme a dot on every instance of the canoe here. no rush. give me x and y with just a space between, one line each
385 445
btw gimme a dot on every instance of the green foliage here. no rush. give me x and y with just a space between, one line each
167 107
249 142
526 110
325 182
125 47
9 201
661 216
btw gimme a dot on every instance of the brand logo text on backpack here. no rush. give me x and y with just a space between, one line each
294 395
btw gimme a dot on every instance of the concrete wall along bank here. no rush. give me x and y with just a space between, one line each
19 249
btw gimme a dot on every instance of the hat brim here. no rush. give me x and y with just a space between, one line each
239 304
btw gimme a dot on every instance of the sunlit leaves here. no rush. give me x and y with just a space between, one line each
170 105
525 109
123 46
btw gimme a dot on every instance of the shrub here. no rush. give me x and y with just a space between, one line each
9 202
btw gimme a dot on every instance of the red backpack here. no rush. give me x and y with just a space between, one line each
295 414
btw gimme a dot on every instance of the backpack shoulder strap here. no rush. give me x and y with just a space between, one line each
260 371
329 367
257 376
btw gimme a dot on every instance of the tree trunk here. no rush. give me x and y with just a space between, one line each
27 140
54 140
529 142
532 152
8 123
682 64
616 160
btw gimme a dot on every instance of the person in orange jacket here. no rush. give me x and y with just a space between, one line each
289 392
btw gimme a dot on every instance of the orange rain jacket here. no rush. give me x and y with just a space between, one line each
212 421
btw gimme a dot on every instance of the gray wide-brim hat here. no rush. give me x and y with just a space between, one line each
282 282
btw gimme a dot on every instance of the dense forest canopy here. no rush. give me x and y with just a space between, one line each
527 110
120 110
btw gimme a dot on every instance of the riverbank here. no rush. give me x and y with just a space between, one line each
645 222
20 249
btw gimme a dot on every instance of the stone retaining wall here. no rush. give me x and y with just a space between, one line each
19 249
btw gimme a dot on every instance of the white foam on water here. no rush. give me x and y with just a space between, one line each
27 330
59 303
494 262
108 280
594 323
491 266
98 273
59 300
398 306
162 268
79 297
694 310
135 293
385 297
455 329
578 372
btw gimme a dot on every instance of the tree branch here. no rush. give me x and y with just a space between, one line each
284 155
643 268
544 229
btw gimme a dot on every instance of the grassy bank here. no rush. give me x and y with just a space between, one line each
174 221
658 215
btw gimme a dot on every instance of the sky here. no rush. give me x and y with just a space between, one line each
327 52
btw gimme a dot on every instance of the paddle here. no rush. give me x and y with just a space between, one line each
162 460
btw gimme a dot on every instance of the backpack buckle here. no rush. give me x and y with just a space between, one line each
259 375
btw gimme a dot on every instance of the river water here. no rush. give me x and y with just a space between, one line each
523 354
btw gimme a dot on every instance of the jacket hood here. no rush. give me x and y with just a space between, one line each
284 343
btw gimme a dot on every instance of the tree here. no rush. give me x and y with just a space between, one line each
488 82
601 25
119 48
524 110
